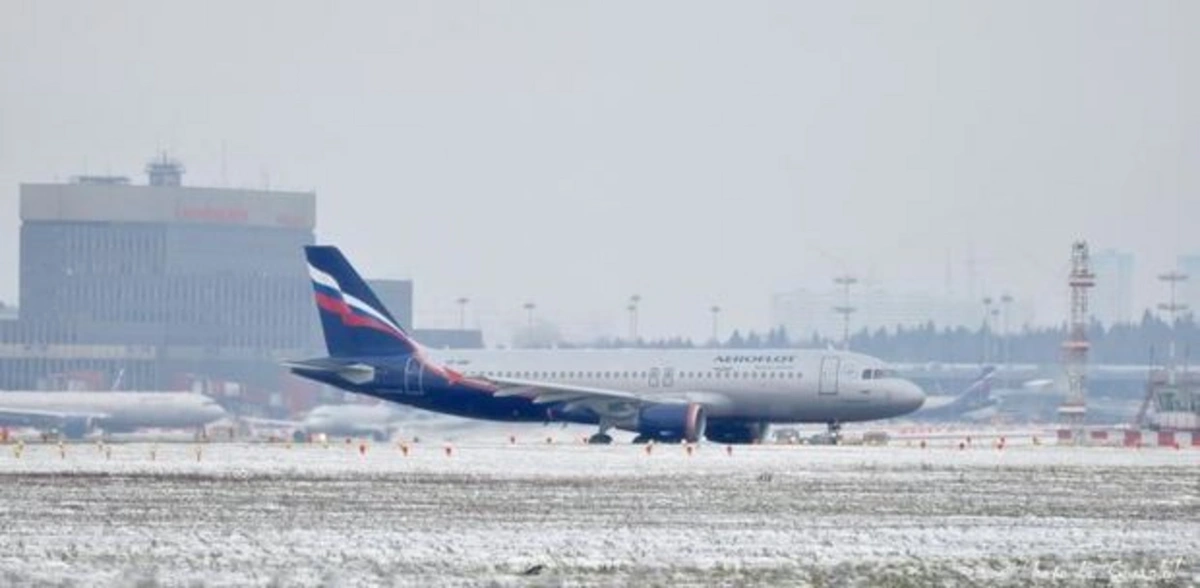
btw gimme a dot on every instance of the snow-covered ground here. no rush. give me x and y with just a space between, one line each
563 513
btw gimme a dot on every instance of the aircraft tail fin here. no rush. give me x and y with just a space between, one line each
979 393
355 323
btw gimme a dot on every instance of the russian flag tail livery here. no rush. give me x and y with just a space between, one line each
980 390
355 322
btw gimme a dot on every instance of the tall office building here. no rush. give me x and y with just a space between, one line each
159 282
1112 298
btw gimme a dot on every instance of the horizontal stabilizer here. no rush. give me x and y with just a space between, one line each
355 373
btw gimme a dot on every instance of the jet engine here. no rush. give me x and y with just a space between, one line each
736 431
76 427
672 422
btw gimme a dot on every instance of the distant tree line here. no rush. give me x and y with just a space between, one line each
1131 343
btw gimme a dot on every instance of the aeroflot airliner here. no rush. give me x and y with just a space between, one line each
729 396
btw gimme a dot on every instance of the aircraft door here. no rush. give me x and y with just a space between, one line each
413 377
668 377
653 377
827 381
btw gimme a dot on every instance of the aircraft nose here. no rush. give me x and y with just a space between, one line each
908 396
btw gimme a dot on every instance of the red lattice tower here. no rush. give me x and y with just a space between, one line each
1075 348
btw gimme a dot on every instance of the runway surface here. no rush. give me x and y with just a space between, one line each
537 514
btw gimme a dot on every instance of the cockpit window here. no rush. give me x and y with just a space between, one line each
868 374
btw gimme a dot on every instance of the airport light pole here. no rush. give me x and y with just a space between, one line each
987 329
716 311
633 317
529 307
845 309
462 313
1007 301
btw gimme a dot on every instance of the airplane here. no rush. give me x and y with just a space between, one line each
1039 400
77 414
377 421
973 404
723 395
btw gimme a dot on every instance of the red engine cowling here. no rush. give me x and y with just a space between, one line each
673 422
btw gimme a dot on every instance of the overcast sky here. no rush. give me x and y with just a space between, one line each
575 153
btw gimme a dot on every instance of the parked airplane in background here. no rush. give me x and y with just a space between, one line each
76 414
723 395
1039 400
973 404
378 421
1032 401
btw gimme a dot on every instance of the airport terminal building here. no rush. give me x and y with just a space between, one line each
158 286
164 286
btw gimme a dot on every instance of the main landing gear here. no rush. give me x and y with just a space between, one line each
601 438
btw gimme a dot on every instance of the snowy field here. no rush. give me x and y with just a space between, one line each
567 514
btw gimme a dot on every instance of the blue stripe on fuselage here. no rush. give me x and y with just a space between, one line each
436 393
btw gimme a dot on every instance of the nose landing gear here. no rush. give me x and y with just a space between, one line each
835 432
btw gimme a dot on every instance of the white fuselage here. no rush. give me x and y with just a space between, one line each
776 385
122 411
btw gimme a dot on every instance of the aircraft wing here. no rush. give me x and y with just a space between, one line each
547 393
604 401
355 373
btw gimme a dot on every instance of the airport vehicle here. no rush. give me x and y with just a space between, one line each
723 395
76 414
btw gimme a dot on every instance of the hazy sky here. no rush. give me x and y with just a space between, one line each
574 153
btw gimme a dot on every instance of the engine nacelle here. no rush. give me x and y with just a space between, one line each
723 431
675 422
76 427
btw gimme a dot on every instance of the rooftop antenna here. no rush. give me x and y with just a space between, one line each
164 171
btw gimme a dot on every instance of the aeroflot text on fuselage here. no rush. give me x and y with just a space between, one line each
758 359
